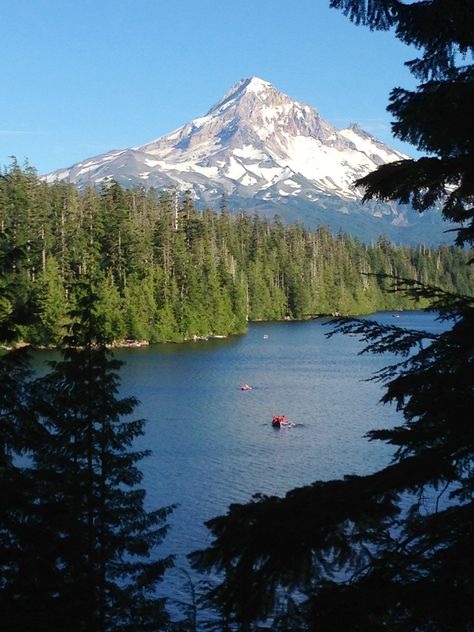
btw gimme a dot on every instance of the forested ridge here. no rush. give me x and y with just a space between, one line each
163 271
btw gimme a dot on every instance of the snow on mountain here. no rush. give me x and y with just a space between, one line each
252 138
262 149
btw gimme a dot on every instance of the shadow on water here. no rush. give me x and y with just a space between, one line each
213 444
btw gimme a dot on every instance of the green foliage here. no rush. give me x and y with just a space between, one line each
15 291
392 550
436 117
78 547
86 464
161 271
140 307
18 509
49 297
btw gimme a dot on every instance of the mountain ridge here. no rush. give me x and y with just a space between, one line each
265 151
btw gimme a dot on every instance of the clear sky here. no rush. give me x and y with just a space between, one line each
79 78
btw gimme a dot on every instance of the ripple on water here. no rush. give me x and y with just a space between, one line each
213 444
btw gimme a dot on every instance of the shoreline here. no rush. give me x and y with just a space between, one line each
129 343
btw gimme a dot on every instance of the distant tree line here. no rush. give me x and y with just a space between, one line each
162 271
393 549
77 546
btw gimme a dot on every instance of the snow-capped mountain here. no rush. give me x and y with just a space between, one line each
263 150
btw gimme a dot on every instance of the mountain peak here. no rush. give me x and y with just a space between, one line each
255 84
355 127
256 144
266 151
244 87
251 84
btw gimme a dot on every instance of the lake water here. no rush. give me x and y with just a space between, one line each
213 443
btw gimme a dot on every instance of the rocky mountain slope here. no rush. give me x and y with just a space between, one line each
266 151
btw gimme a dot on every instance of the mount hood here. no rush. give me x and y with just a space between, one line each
266 151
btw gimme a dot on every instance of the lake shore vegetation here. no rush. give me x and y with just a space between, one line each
391 550
78 546
163 271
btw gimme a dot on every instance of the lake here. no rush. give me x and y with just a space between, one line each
213 443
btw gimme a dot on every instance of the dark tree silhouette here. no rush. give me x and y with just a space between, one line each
392 550
21 589
437 117
92 507
78 546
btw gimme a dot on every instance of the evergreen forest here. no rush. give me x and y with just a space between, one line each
388 550
75 536
163 271
393 549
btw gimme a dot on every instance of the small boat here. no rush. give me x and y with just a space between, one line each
245 387
265 336
280 421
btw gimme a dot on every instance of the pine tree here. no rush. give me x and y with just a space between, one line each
93 563
140 308
436 117
392 550
49 296
21 586
18 433
200 272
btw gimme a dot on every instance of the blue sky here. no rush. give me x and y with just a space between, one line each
81 78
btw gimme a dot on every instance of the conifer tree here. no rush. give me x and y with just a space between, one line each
392 550
436 117
49 296
92 511
20 585
164 276
18 433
